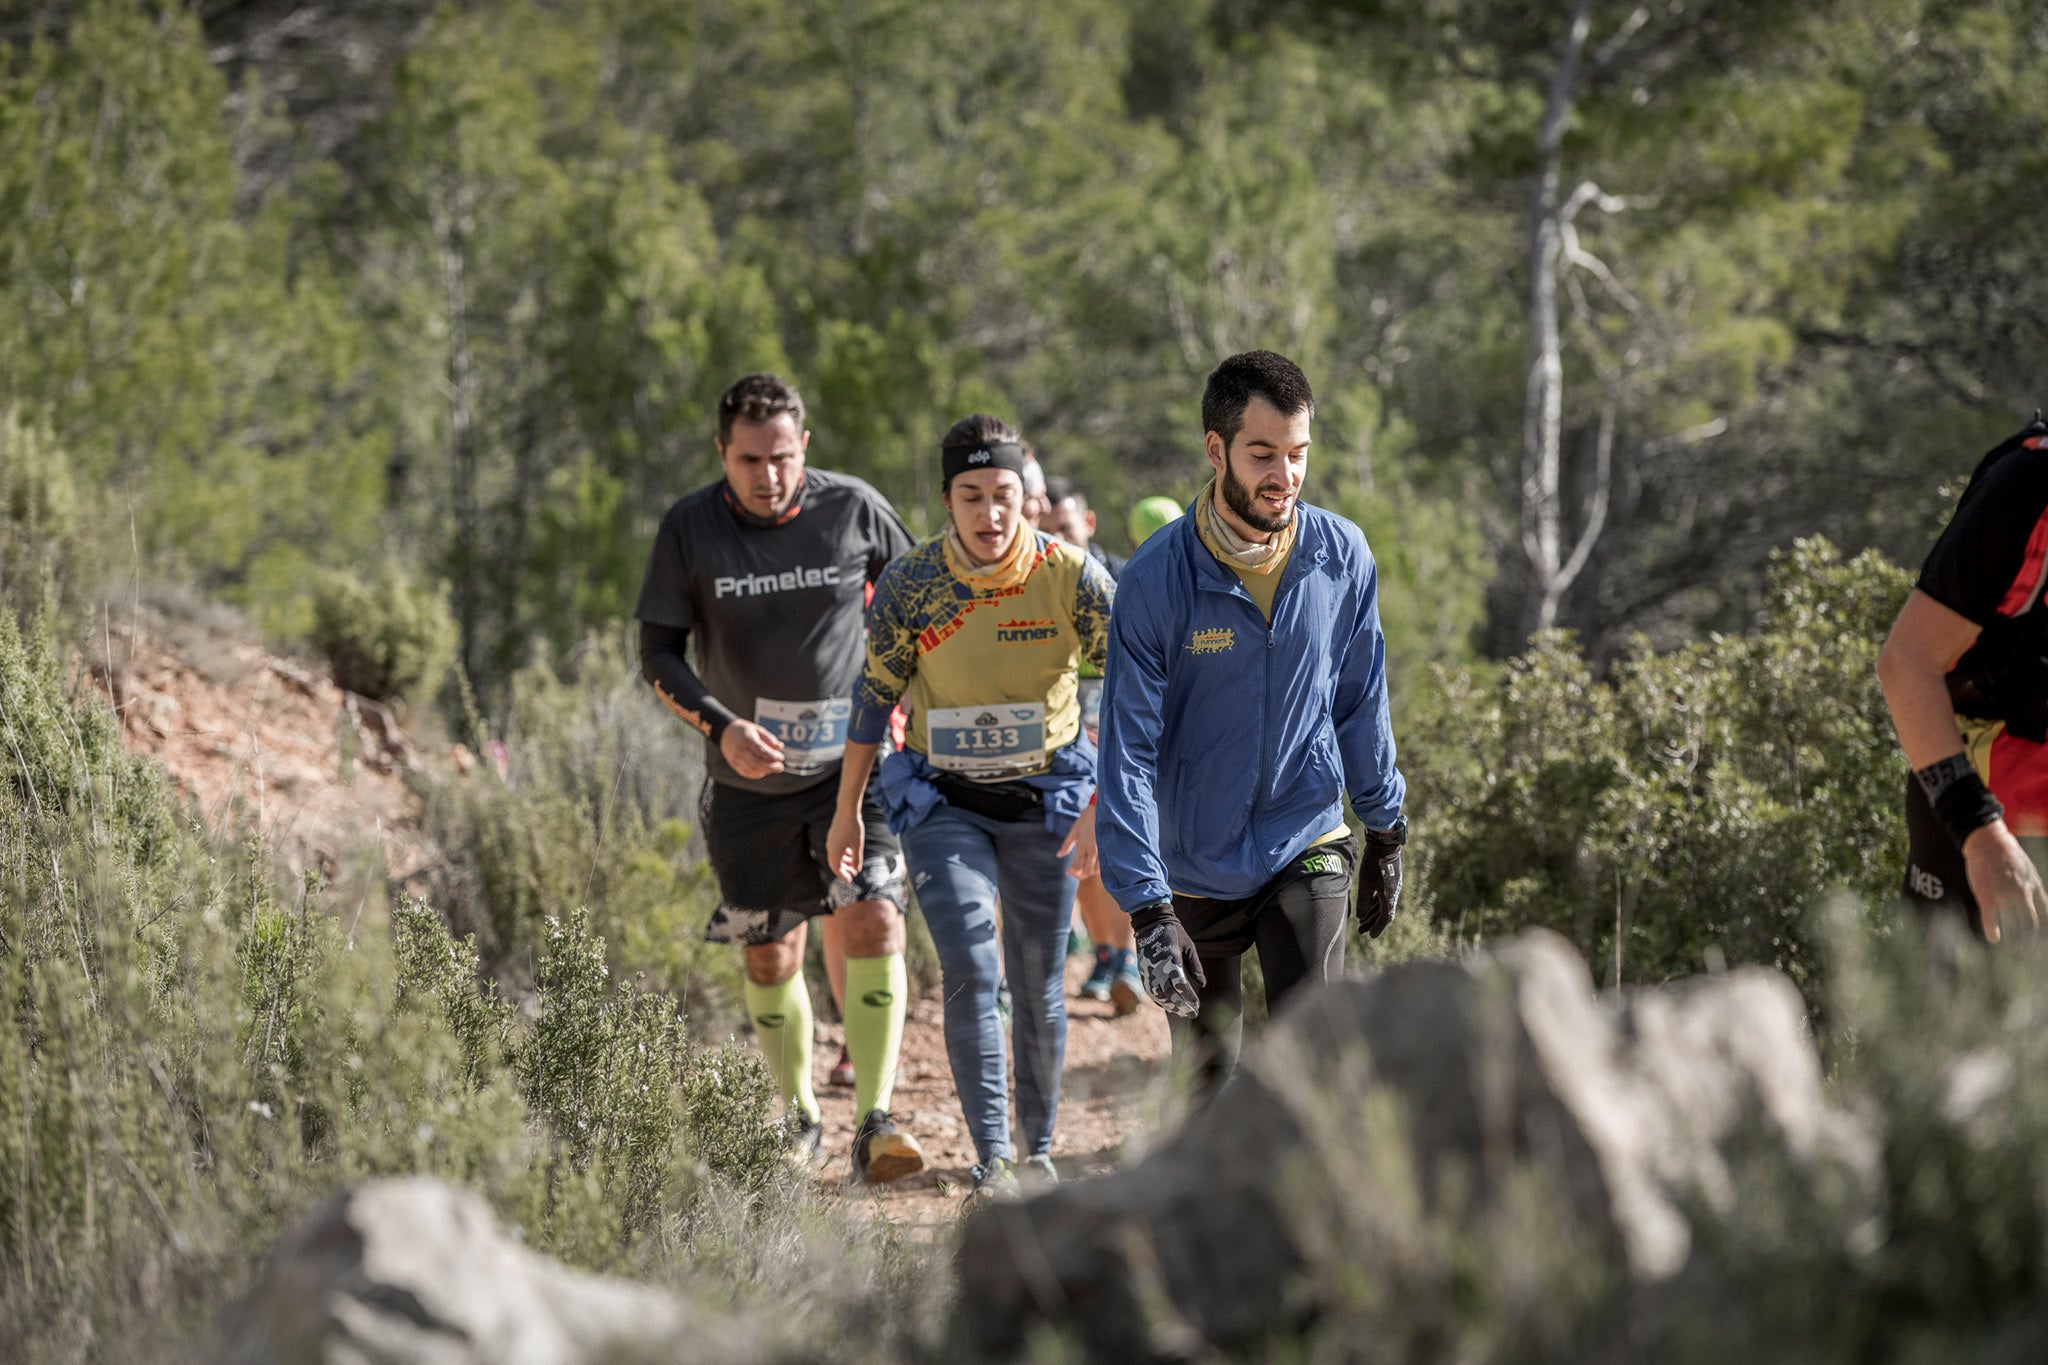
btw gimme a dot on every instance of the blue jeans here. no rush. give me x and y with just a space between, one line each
960 863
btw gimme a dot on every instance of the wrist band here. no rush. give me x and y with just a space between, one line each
1145 916
1966 806
1935 778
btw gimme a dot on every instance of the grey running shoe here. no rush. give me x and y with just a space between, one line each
882 1152
803 1139
1038 1173
994 1180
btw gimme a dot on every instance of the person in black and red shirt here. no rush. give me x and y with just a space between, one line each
765 575
1965 675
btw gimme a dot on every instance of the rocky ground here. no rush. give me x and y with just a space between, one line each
251 736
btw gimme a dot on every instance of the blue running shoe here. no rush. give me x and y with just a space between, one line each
1126 987
1096 987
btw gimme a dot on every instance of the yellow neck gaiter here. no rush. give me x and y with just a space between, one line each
1246 556
1008 572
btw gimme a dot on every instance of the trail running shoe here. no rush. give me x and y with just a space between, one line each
1126 987
1037 1173
995 1179
882 1152
803 1138
842 1070
1003 1011
1097 986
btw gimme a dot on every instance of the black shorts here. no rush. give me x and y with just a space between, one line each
1227 928
768 853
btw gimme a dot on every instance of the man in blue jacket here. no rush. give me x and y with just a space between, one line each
1245 697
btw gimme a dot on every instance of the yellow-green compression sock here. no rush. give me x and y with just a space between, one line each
876 988
782 1021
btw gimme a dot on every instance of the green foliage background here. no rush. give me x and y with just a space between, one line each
455 286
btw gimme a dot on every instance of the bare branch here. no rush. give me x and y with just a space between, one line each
1596 507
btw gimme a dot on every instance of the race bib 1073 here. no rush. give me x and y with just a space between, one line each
813 733
987 743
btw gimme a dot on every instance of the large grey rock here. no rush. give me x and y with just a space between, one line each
420 1272
1630 1110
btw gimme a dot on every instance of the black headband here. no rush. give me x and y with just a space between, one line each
994 455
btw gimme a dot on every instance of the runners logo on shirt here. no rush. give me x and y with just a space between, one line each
761 584
1220 640
1026 632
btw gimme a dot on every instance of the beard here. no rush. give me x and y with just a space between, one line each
1238 499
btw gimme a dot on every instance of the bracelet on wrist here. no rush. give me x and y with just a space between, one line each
1965 806
1937 777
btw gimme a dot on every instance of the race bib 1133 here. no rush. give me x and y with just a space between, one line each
998 740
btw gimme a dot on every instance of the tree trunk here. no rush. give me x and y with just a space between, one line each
451 241
1543 405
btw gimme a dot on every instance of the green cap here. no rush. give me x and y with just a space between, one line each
1149 514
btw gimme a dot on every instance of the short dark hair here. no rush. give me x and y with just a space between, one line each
1248 375
758 397
1058 488
980 429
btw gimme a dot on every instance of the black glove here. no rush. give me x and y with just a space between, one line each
1379 878
1167 963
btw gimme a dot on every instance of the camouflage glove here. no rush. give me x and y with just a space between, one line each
1379 878
1167 962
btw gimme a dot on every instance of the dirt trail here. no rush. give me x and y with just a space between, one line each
248 734
1105 1089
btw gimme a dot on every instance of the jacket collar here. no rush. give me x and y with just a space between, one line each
1310 549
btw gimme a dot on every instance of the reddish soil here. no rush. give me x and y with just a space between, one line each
257 740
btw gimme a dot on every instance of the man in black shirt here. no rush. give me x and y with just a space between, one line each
1965 675
768 568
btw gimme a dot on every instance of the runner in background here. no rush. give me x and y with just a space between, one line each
1149 515
1115 978
767 569
992 793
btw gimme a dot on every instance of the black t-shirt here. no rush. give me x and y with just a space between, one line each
775 612
1990 566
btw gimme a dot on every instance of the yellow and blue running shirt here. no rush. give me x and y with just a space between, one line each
971 654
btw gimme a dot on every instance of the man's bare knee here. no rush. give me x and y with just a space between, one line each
871 928
771 964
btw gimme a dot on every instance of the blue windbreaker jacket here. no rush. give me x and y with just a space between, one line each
1228 744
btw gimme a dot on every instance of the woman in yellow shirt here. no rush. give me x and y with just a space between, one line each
983 627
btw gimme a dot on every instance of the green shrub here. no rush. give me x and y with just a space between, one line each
191 1058
1696 805
47 562
384 639
598 809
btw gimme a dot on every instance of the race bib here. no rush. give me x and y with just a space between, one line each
1003 739
1091 705
813 733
